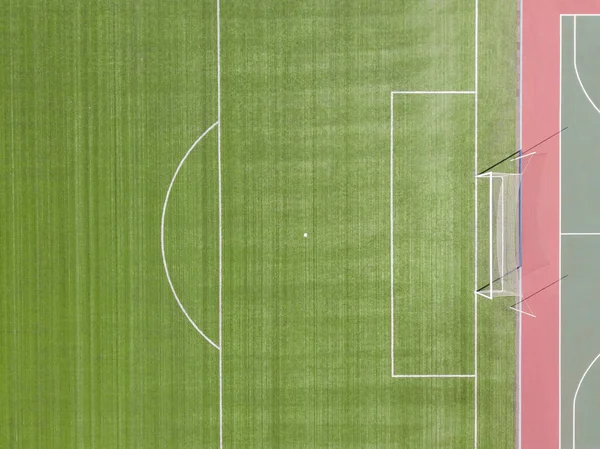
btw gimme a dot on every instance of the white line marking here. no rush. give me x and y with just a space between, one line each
559 238
580 233
432 376
519 317
575 65
475 343
577 392
579 15
162 237
433 92
220 224
392 222
521 157
522 311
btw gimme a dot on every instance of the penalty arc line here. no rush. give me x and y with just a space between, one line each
162 237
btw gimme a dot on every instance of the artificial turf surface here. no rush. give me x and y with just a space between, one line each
102 100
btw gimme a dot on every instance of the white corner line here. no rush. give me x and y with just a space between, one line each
162 237
522 311
433 92
433 376
580 233
575 66
577 392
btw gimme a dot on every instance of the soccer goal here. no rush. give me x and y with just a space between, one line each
499 245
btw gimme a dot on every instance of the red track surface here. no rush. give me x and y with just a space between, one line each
540 119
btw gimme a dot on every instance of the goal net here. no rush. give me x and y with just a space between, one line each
499 245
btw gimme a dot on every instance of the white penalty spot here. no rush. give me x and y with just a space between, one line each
306 235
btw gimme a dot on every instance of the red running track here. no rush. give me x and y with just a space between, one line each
540 365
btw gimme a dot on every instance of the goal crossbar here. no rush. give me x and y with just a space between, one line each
500 228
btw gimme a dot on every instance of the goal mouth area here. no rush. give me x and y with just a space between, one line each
498 245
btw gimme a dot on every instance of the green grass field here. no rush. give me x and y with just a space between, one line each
100 103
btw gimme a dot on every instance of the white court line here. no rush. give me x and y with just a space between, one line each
575 66
577 392
433 92
580 233
432 376
560 236
220 224
162 237
560 226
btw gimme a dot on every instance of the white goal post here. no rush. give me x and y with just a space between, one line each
499 245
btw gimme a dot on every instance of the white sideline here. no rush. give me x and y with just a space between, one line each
433 92
520 317
577 392
392 226
220 224
580 233
432 376
475 144
162 237
575 65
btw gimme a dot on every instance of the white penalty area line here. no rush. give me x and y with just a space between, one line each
433 92
162 237
433 376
